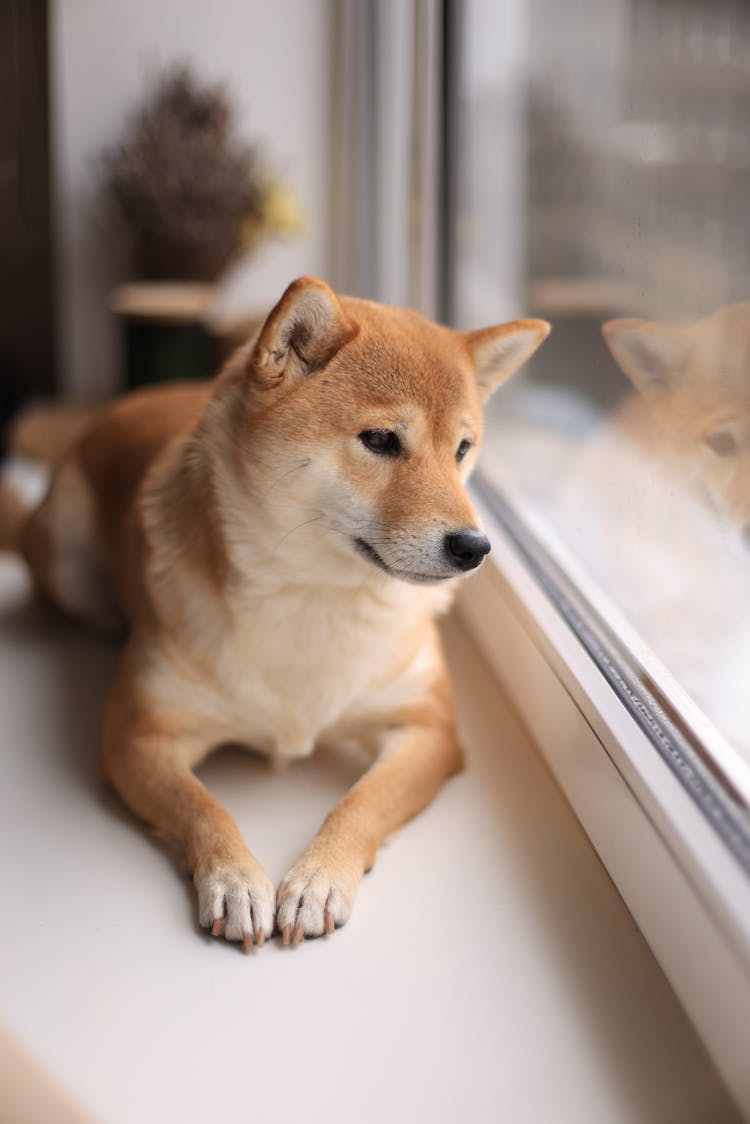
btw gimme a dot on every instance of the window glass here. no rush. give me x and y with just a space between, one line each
603 169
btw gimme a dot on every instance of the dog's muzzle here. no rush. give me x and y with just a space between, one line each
466 549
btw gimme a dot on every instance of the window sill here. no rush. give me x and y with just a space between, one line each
488 934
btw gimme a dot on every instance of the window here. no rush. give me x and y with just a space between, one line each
602 173
628 440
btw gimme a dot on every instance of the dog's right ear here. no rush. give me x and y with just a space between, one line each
499 351
303 333
650 352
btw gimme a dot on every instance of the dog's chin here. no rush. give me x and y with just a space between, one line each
366 551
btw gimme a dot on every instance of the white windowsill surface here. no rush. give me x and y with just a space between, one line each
490 970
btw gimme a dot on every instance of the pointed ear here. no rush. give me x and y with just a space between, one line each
650 353
303 333
498 352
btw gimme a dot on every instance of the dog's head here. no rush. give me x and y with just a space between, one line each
362 425
696 377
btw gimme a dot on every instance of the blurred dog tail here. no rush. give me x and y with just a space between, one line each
40 437
13 515
45 432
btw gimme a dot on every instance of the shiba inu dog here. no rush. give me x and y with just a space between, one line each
278 543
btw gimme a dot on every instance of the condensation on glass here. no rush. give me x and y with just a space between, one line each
604 184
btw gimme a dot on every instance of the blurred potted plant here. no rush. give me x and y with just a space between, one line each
184 198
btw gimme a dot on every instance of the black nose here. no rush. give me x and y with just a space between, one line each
466 549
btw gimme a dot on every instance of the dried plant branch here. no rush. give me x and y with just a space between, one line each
180 188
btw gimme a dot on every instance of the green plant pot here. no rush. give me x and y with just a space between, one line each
164 331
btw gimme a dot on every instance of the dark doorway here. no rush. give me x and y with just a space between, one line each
27 352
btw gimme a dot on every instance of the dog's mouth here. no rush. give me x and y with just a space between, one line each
372 555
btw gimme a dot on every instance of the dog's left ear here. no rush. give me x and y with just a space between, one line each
498 352
303 333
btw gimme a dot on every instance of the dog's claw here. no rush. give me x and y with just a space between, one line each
236 901
260 938
315 898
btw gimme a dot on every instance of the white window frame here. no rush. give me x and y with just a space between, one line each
684 888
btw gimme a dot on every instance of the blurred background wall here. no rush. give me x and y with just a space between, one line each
274 58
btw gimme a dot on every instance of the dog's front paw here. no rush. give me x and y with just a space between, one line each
236 900
315 897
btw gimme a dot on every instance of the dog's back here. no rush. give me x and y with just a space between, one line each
79 543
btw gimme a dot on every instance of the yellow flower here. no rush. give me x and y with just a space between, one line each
282 212
281 216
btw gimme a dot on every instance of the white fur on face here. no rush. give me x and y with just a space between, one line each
317 516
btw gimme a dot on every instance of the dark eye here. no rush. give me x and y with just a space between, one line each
724 443
463 449
383 441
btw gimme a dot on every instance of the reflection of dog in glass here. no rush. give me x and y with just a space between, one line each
695 382
657 503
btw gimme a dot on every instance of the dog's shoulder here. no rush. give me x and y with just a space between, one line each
115 455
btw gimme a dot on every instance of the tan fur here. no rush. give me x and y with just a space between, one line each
280 580
46 431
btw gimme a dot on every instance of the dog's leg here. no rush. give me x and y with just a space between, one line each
149 761
318 892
